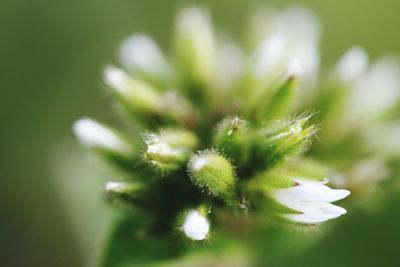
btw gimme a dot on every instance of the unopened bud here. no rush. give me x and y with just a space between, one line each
282 102
100 138
169 149
137 95
140 55
230 136
283 139
213 172
195 45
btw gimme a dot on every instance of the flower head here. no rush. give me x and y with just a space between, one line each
214 129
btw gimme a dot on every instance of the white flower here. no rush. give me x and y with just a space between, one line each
312 200
92 134
196 226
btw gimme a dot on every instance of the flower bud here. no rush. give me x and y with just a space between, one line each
282 139
137 95
169 149
262 69
213 172
140 55
102 139
195 225
195 45
282 102
231 137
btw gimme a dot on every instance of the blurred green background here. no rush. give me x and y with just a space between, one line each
51 57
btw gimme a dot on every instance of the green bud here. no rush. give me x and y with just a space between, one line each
141 56
213 172
137 95
104 140
169 149
195 46
231 137
282 101
283 139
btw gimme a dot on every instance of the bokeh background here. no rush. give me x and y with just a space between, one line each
52 53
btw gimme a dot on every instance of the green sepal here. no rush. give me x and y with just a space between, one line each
282 139
282 101
231 136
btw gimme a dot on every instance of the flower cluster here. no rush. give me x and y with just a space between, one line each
215 131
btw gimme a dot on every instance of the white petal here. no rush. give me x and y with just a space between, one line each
308 55
307 191
268 55
299 24
316 213
230 62
320 191
327 209
294 68
196 226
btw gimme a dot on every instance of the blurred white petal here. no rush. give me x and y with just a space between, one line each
378 92
352 66
96 136
140 54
